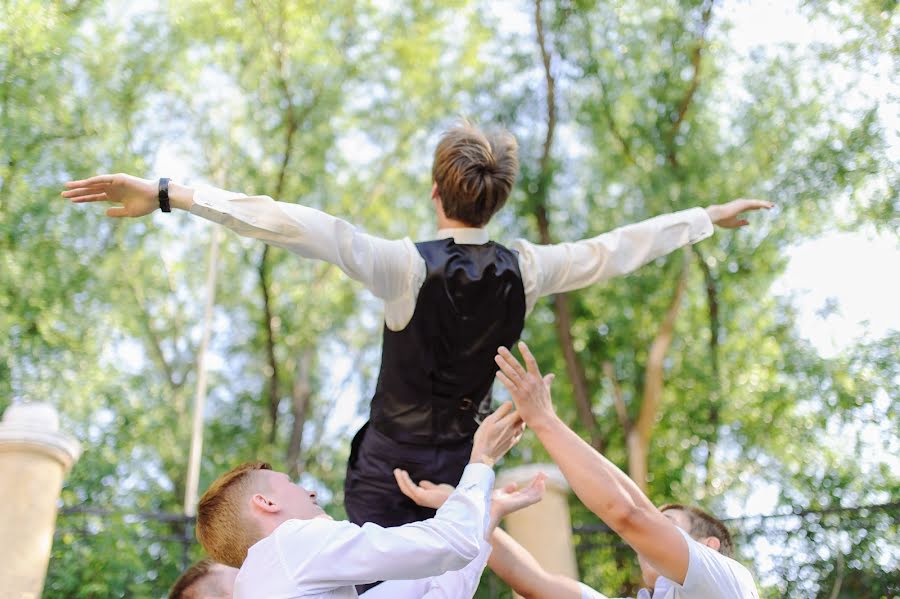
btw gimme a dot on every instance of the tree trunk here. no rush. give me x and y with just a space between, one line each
301 395
561 308
639 436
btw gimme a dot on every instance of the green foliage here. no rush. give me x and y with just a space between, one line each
337 105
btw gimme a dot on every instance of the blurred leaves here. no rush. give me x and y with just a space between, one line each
337 106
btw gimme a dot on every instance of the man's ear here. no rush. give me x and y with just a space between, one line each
712 542
437 201
263 503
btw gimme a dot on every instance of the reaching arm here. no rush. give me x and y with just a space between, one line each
344 554
518 568
549 269
598 483
389 268
508 559
321 555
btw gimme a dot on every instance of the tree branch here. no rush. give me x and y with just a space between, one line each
292 124
155 343
269 327
712 305
688 98
301 394
604 99
639 439
618 398
838 577
560 302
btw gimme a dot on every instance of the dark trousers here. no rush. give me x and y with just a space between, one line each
371 493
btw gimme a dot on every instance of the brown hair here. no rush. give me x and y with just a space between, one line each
474 172
704 525
187 585
224 527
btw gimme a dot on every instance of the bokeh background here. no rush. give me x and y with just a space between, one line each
756 374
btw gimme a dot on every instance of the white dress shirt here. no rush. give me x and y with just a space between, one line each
322 558
459 584
394 270
710 575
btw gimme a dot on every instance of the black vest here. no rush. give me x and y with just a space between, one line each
436 373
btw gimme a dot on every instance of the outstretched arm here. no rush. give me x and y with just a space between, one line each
598 483
386 267
518 568
549 269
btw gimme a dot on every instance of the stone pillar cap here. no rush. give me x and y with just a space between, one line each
522 475
35 426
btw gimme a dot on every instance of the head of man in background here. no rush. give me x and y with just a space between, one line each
205 580
701 526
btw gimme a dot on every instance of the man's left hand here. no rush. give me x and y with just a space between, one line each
729 215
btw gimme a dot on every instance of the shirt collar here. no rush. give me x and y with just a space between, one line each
464 235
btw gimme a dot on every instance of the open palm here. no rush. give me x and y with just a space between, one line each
137 196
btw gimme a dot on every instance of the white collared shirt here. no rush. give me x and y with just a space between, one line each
322 558
710 575
394 270
459 584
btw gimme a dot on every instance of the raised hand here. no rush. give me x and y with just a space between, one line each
504 501
426 493
728 215
138 197
529 390
511 499
496 435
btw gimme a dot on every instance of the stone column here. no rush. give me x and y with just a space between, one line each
34 458
544 529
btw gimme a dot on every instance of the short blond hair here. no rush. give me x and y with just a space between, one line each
224 527
474 172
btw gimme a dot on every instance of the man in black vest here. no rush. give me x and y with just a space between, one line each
449 302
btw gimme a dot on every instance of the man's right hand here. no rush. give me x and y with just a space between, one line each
138 197
496 435
529 389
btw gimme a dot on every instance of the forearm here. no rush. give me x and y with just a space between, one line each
518 568
452 539
549 269
181 197
597 482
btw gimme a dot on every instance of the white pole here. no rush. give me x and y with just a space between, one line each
193 477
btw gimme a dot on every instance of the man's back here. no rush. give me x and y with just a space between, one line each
437 371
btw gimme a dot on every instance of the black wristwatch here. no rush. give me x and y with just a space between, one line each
164 195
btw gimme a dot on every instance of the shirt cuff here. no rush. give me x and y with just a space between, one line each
700 223
477 475
210 202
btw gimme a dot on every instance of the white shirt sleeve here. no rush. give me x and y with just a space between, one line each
589 593
393 270
712 575
320 554
549 269
460 584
